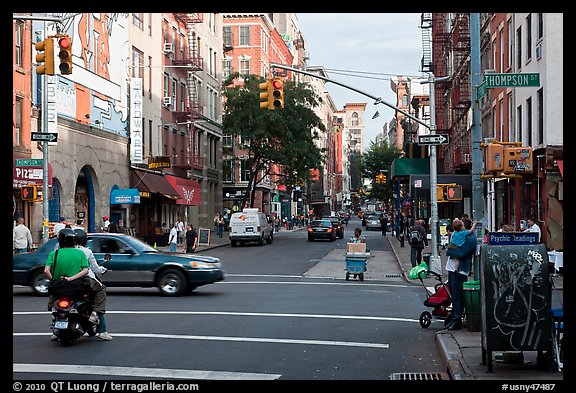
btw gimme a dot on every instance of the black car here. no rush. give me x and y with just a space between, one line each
133 263
321 229
338 225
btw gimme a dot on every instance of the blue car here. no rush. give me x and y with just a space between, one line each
133 263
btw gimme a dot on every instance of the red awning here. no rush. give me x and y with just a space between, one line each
188 189
561 166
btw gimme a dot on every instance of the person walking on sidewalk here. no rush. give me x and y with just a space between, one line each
173 238
418 240
457 275
21 237
191 238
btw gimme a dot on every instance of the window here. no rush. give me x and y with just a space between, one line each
519 127
182 47
18 43
511 133
244 170
227 36
18 122
264 40
138 20
108 246
227 141
510 44
244 35
245 67
494 122
540 103
540 31
182 97
227 170
355 118
137 63
529 120
226 68
519 48
528 37
405 100
501 131
150 77
502 68
494 56
174 90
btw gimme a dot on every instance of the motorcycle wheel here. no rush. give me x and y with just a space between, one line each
67 337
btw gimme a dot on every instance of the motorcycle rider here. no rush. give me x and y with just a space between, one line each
97 288
72 262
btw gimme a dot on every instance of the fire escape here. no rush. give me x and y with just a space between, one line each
191 62
441 66
461 97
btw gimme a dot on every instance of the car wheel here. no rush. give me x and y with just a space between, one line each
39 284
172 282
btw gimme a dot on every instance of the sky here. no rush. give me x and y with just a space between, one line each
364 50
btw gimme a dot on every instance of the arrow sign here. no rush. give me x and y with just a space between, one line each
44 136
438 139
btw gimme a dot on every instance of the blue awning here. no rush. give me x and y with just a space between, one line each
120 196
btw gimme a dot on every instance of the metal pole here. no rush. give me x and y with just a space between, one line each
44 156
435 259
476 79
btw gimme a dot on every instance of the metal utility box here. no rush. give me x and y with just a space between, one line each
515 294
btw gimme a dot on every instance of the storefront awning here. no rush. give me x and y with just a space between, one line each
188 189
154 183
561 167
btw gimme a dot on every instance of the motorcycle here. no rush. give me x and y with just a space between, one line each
70 319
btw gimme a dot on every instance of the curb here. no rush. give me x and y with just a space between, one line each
453 366
404 273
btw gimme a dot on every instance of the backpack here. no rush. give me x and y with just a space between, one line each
414 237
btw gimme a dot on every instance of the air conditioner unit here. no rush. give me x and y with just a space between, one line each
167 101
168 48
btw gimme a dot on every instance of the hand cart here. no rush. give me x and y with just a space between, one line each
356 264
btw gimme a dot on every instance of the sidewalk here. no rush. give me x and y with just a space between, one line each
461 350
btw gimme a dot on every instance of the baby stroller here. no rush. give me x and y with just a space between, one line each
440 301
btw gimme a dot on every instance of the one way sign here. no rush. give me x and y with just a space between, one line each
44 136
437 139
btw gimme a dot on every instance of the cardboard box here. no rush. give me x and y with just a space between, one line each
356 247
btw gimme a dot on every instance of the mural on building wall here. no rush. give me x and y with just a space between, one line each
96 93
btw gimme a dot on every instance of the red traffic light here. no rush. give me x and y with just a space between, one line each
277 84
64 42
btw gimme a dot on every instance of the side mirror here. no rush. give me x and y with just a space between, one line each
107 257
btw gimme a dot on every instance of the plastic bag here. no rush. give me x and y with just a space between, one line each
417 270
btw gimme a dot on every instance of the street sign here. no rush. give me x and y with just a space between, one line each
511 80
481 91
29 162
44 136
437 139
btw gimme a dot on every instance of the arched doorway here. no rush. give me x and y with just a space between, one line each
84 209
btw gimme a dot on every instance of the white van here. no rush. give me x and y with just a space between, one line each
250 225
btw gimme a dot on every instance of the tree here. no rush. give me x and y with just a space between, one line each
282 138
377 159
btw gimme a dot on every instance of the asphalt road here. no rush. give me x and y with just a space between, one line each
268 320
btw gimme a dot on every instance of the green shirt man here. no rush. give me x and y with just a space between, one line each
72 264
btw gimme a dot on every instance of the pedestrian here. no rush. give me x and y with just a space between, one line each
221 226
97 288
106 222
191 238
418 240
180 230
533 227
216 221
505 228
21 237
358 237
459 236
457 276
173 238
384 223
59 225
113 227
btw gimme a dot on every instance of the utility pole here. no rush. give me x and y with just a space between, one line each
476 80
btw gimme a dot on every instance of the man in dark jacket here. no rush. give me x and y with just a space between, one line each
417 245
465 254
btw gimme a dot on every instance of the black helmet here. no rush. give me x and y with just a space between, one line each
66 237
81 236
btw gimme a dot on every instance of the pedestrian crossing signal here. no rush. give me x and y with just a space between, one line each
454 193
29 193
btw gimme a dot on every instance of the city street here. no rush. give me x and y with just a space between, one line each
285 311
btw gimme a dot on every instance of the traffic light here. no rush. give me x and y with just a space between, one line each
493 158
440 193
378 178
266 95
277 93
454 192
518 160
65 54
383 178
45 57
29 193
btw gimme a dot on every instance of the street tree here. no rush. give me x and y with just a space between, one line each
375 161
279 143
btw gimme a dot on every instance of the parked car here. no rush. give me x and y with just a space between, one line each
250 225
321 229
366 216
133 263
373 222
338 225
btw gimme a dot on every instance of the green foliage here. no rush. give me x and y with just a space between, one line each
377 159
282 136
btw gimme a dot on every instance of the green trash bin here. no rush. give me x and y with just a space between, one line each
472 305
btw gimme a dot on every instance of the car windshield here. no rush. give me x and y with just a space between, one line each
320 223
139 245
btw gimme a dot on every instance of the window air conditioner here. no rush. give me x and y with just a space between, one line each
167 101
168 48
